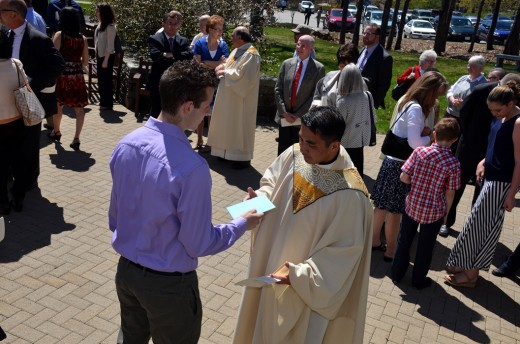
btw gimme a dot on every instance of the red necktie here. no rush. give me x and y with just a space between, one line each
295 83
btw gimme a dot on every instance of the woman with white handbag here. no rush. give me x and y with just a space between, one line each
11 130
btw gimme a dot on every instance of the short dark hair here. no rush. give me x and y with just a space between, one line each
69 21
184 81
347 53
447 129
326 121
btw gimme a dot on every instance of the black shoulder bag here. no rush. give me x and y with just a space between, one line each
394 145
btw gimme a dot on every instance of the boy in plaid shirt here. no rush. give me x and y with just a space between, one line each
434 175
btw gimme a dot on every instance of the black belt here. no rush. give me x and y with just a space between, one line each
163 273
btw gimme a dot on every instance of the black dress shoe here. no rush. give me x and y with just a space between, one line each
444 231
240 165
424 284
501 272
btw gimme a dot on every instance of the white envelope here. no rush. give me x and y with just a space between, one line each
284 123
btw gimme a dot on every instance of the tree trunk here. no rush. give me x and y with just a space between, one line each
512 45
496 10
401 25
384 21
443 26
474 37
394 25
343 22
359 19
257 20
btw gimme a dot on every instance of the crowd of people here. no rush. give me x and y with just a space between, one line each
319 264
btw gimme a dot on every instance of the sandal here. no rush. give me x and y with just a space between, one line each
54 135
199 146
451 270
457 281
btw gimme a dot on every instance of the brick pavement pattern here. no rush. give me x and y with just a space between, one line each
57 266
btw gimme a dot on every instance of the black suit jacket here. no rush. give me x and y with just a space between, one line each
42 63
378 71
475 119
158 45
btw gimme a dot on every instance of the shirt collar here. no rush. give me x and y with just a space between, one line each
20 29
441 147
166 128
168 37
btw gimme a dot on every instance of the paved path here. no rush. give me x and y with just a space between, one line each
57 266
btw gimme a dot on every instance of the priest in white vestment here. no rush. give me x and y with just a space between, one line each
232 130
320 236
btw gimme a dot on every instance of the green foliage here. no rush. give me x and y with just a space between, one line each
279 46
138 19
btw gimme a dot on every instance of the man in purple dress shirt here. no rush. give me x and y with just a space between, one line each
160 213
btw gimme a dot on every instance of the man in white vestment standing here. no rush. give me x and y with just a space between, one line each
232 130
317 241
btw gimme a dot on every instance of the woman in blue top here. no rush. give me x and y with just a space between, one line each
210 51
476 244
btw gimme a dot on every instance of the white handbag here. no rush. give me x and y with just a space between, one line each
26 101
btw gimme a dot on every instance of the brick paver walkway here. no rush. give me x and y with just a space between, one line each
57 266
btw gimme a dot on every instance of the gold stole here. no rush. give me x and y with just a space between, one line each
311 182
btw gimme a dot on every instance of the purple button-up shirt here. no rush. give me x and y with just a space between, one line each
160 207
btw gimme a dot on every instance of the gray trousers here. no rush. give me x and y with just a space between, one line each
166 308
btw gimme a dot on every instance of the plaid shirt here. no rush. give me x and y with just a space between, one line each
433 169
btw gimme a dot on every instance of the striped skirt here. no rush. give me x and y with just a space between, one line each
476 244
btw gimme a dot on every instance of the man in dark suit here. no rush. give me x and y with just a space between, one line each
475 119
166 47
375 64
294 91
42 64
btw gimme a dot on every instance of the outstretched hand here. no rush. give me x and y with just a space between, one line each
250 194
253 218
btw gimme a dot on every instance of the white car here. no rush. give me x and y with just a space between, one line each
352 9
418 28
304 4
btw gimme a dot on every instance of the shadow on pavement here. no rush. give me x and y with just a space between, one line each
242 179
446 311
32 228
78 161
112 116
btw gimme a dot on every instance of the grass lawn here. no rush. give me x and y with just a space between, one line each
279 46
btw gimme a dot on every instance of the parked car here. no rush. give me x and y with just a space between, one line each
457 14
461 29
422 14
304 4
352 9
333 20
500 34
419 28
490 17
473 20
376 17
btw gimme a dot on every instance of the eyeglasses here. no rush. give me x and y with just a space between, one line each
1 10
368 33
491 77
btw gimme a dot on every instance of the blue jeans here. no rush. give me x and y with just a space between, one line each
423 255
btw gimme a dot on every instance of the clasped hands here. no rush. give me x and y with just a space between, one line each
289 117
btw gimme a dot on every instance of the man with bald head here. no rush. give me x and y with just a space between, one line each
232 130
294 91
